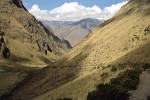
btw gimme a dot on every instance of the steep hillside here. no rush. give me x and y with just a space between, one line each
26 45
74 32
124 39
27 41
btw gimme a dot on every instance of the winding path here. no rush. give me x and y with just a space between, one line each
143 89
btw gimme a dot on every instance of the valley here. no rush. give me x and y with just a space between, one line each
73 60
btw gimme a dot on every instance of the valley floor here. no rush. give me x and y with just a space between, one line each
12 74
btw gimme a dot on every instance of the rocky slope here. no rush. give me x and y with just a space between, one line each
74 32
18 3
125 39
27 39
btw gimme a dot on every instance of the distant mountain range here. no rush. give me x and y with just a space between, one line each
72 31
88 23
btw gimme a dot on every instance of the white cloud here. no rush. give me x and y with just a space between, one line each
74 11
108 12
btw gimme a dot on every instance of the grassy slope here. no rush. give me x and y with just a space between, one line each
18 36
7 80
20 60
109 43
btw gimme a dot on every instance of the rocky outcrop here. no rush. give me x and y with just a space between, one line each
18 3
4 50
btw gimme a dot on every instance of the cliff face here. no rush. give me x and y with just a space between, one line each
25 37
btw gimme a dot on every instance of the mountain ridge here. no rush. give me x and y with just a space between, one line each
18 3
72 31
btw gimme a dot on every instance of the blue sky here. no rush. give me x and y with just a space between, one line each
73 10
51 4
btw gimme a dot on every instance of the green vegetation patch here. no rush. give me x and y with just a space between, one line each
145 66
129 79
147 30
108 92
118 87
114 68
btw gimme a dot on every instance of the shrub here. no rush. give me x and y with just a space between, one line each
109 66
117 81
108 92
125 48
118 87
145 66
147 30
130 84
129 79
121 66
104 75
114 69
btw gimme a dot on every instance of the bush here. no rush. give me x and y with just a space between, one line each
121 66
104 75
145 66
108 92
129 79
114 69
117 81
147 30
130 84
118 87
109 66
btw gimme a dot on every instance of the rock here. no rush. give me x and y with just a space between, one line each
18 3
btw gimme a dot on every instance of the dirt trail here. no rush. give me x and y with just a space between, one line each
143 89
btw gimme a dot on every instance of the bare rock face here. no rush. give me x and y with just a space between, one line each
18 3
4 50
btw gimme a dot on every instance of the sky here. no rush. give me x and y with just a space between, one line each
73 10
